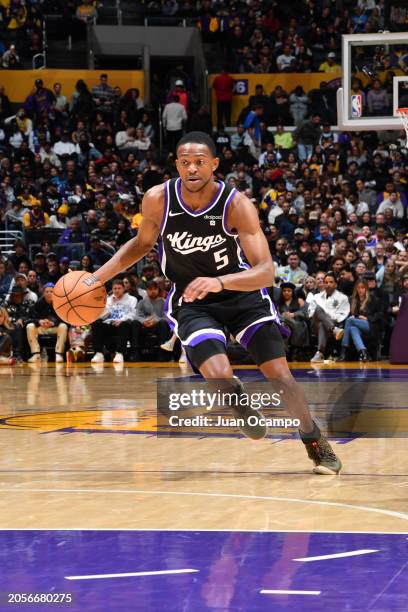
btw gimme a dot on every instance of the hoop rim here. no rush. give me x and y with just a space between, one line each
403 110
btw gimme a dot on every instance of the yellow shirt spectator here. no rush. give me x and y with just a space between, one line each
330 64
35 218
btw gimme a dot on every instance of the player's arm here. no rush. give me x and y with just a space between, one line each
136 248
244 218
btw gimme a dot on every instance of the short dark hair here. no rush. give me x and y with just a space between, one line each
330 275
198 138
151 284
118 281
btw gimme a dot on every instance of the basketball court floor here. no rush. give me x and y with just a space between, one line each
94 506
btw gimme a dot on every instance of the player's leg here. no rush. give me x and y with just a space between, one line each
267 349
210 358
202 336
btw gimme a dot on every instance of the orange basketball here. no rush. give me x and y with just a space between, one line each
79 299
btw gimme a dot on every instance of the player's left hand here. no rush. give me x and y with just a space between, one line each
200 287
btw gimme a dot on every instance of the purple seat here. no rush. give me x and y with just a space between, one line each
399 338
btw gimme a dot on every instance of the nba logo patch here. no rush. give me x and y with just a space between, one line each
356 105
212 222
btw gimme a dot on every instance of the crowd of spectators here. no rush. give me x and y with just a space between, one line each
333 206
267 36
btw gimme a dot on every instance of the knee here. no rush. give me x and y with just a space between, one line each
63 328
31 327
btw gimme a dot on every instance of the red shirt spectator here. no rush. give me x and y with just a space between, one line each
223 86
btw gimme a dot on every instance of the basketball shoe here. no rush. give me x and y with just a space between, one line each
255 428
321 453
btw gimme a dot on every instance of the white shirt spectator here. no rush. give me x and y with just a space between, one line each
56 223
395 204
126 139
336 305
15 140
174 115
64 148
143 144
362 207
51 156
120 310
284 61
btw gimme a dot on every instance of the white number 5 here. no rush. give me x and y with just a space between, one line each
221 259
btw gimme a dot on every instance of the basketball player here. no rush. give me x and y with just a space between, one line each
205 227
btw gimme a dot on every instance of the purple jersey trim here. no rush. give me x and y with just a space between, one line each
166 206
225 214
167 308
206 336
189 210
247 337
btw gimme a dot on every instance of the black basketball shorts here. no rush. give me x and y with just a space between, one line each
203 326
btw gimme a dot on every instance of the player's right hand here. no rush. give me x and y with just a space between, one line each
200 287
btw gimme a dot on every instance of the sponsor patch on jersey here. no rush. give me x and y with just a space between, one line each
185 243
212 217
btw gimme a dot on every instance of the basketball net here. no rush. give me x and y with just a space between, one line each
403 115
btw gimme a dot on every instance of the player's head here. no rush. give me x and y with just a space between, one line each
196 160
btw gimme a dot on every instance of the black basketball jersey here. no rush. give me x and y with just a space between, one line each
197 243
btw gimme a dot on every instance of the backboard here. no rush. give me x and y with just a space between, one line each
375 81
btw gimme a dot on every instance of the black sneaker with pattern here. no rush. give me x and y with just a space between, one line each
323 456
321 453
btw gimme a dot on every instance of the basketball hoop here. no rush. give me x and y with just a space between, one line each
403 115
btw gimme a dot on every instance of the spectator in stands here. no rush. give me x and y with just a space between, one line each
286 61
330 64
98 255
73 232
252 126
20 312
293 314
223 86
377 99
104 97
41 102
307 137
402 290
86 11
32 282
6 341
65 148
35 218
46 322
364 322
283 139
126 140
394 204
5 281
87 264
10 59
19 255
327 311
115 324
60 220
174 119
298 105
21 280
292 273
150 317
